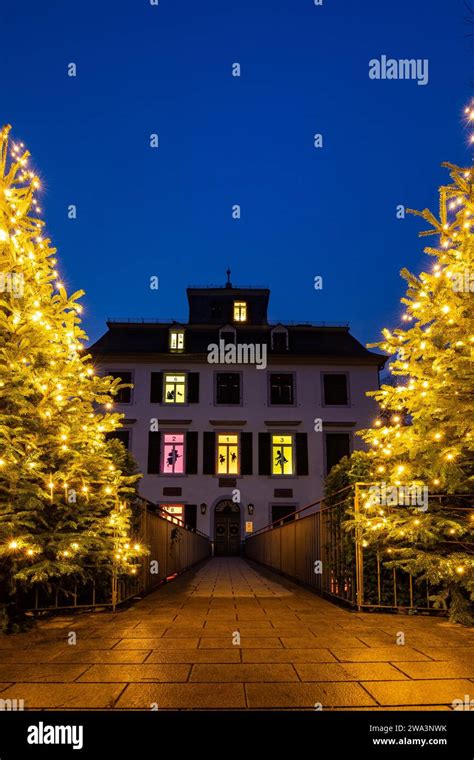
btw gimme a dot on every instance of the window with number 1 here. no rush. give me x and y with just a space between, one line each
228 454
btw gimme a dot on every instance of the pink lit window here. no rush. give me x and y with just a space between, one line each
172 462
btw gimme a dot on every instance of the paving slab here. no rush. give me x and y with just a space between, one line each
222 642
169 643
101 656
222 656
39 696
125 673
357 671
426 692
51 672
378 654
243 673
196 696
448 669
287 655
307 695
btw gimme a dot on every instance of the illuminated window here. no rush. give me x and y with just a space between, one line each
174 389
176 340
240 311
282 455
172 455
228 454
173 512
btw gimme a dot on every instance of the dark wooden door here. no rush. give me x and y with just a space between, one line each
227 529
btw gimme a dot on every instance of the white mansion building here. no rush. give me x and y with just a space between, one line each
234 421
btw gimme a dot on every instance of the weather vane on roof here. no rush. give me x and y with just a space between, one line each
228 283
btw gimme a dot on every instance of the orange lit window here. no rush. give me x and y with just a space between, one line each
173 512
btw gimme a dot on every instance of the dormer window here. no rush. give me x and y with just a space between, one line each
176 340
240 311
227 334
280 339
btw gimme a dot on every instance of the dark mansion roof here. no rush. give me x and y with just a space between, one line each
210 310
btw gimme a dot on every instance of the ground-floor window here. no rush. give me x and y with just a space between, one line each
173 512
283 512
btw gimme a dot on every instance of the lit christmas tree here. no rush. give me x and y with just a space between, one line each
422 442
63 499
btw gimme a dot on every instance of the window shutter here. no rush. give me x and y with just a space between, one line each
191 452
190 516
209 454
264 454
193 387
302 454
156 387
246 450
154 446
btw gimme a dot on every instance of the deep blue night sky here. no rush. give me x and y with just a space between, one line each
223 140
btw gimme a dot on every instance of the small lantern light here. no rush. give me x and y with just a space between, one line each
203 508
250 508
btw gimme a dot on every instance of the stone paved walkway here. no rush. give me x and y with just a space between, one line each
178 649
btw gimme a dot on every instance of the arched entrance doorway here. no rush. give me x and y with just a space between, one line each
227 529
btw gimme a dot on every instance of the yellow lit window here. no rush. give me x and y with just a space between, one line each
228 454
177 340
282 455
174 389
240 311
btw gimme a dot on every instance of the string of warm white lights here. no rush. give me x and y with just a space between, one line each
423 436
66 496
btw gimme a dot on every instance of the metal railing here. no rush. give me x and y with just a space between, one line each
186 323
173 548
314 547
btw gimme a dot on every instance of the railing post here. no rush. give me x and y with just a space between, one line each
358 552
114 588
144 531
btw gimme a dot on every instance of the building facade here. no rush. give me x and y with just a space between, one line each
234 421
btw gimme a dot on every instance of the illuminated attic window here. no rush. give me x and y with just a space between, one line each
176 340
240 311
